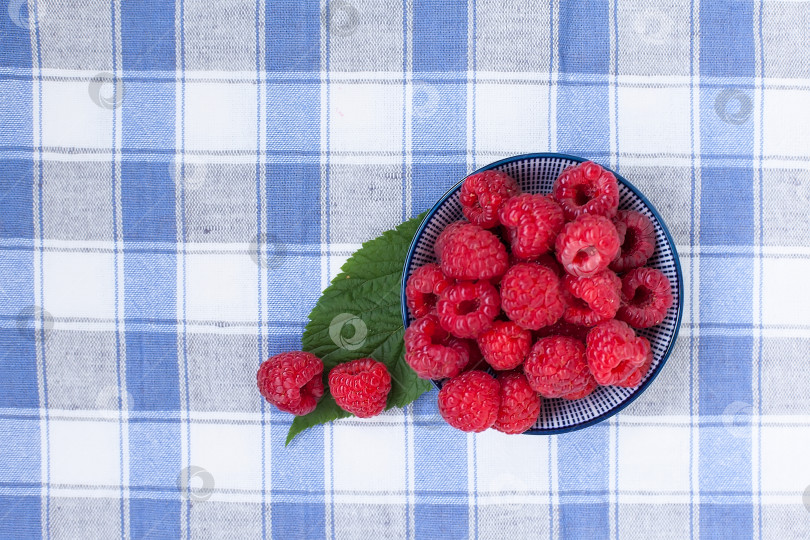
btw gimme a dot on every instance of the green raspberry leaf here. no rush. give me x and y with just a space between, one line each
359 316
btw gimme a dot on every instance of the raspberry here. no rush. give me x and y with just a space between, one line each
441 240
614 352
591 386
360 387
562 328
556 367
635 378
586 189
469 252
646 297
468 308
292 381
483 194
431 352
531 296
520 405
423 289
505 345
637 239
470 401
587 245
592 300
532 223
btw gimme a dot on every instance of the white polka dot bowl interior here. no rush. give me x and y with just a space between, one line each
535 173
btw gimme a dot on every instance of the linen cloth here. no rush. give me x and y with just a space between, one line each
179 181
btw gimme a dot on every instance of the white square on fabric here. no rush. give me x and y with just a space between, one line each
221 287
232 454
79 284
785 466
368 459
511 118
221 117
365 118
86 453
653 458
654 120
786 122
512 470
71 118
783 303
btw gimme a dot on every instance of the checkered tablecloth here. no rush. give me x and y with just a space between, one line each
180 180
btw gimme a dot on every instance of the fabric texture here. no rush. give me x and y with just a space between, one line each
180 180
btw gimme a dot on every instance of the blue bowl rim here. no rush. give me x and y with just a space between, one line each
679 272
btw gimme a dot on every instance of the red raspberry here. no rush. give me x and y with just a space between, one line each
592 385
635 378
614 352
470 253
505 345
520 405
532 223
592 300
431 352
292 381
468 308
556 367
562 328
646 297
531 296
470 401
441 240
483 194
423 289
637 238
587 245
360 387
587 189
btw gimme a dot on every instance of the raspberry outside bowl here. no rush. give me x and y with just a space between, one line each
535 173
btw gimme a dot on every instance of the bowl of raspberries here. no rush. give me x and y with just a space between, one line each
541 294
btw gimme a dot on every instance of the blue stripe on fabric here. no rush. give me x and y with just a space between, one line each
147 37
691 285
760 260
16 117
727 50
292 36
439 107
39 186
584 37
121 383
161 523
582 461
20 517
298 469
439 36
16 199
259 211
583 109
15 38
150 279
293 189
434 475
185 390
727 39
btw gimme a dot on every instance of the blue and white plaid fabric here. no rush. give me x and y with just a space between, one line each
180 180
